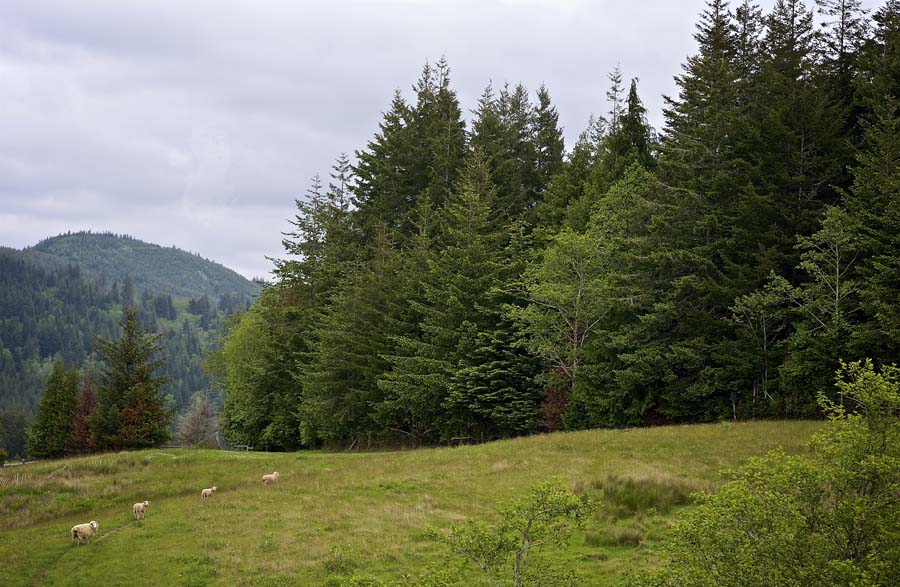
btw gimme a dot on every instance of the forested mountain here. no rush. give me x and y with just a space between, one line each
158 269
50 308
459 282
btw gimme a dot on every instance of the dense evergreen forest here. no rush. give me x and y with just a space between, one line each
162 270
52 309
459 282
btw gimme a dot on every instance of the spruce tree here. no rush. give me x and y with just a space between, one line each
49 432
549 147
130 413
456 376
342 398
81 440
567 189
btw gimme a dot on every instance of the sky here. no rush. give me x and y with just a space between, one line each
197 123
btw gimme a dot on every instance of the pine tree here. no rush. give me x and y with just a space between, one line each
630 140
386 189
549 147
566 194
418 150
130 412
81 440
52 425
845 32
874 205
342 397
455 376
803 154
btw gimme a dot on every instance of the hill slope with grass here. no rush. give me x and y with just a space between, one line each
333 516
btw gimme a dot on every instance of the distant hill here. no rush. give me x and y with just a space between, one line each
158 269
57 297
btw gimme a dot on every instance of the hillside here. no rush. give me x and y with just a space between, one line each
335 515
51 307
159 269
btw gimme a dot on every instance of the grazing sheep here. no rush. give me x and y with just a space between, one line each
139 508
84 531
270 478
207 492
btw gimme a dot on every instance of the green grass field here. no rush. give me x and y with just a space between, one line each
335 515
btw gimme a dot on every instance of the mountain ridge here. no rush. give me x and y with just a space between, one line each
165 270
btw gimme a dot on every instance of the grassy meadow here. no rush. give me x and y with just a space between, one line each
336 515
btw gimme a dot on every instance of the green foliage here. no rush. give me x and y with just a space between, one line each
130 412
4 456
146 266
259 407
507 551
51 307
13 430
459 374
487 283
49 433
829 517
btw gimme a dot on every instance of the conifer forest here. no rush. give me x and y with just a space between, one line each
466 276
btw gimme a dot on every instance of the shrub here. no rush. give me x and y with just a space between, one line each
831 517
546 515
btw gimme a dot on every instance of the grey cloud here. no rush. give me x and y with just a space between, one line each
196 124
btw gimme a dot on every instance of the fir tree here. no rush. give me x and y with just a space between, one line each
343 400
81 440
451 376
52 425
130 412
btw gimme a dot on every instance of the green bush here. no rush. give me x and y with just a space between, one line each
546 516
4 456
827 518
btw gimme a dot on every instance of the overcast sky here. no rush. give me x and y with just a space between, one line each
196 123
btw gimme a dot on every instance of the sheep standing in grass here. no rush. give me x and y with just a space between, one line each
84 531
267 479
207 492
139 508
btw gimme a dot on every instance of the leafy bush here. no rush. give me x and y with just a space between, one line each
4 456
831 517
547 515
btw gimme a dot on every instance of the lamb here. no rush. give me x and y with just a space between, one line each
139 508
207 492
270 478
84 531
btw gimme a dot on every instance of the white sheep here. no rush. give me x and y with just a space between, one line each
84 531
207 492
139 508
270 478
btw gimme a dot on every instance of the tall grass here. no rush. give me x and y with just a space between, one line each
333 516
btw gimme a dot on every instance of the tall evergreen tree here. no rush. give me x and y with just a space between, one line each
52 425
130 412
549 146
342 399
80 439
418 149
451 377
